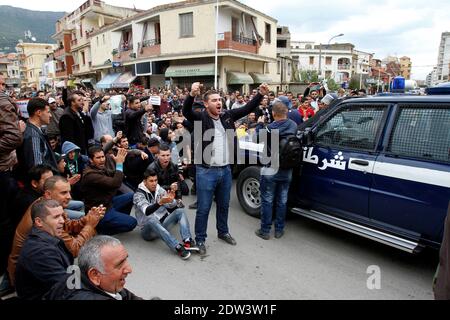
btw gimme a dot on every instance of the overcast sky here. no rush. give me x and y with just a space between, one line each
385 27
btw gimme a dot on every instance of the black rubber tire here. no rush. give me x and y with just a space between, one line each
248 173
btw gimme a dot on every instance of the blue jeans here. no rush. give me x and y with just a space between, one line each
75 209
116 220
274 187
212 182
154 229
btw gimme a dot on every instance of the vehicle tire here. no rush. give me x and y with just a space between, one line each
247 190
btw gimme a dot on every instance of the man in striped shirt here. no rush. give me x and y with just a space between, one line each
35 149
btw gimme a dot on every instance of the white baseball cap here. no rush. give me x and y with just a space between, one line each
51 100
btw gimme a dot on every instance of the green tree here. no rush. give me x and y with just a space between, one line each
354 84
332 85
309 76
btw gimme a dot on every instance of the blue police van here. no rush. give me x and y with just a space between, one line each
378 167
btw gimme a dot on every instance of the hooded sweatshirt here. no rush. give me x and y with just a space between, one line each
146 204
75 166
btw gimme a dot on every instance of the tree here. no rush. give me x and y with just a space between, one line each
354 83
309 76
332 85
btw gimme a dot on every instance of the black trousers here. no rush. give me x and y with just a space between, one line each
8 191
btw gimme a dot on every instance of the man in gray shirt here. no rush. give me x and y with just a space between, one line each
101 116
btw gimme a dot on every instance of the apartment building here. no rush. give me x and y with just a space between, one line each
31 60
73 32
443 64
405 67
333 61
176 43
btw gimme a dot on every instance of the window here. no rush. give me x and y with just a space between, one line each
97 41
353 127
104 40
187 25
289 69
281 43
311 60
422 133
278 67
81 29
328 74
328 60
83 58
268 33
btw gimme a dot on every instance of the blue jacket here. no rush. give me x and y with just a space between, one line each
285 128
43 262
36 150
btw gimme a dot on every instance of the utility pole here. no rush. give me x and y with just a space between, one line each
216 62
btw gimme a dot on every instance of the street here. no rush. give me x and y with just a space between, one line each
312 261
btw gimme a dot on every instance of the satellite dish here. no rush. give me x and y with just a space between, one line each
20 41
33 39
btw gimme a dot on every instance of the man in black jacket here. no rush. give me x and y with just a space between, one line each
44 258
74 125
104 265
169 177
36 149
133 123
213 172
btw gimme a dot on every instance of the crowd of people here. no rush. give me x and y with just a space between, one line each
72 172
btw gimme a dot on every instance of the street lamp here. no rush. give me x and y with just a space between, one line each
320 52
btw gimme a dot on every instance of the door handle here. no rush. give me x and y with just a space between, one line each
363 163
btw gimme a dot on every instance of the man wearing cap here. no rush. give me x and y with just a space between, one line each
56 112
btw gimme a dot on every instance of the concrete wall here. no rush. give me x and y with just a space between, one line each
103 51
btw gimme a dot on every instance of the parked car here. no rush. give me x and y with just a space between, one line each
378 167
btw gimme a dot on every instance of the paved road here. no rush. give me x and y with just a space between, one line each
312 261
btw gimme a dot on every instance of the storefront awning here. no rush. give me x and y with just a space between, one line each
260 78
194 70
107 81
77 81
60 84
124 80
239 78
88 80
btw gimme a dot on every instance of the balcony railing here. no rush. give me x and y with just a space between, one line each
151 43
237 43
244 40
344 66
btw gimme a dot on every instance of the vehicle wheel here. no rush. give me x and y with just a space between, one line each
247 190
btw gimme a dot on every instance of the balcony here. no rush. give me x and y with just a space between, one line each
344 66
60 53
61 73
76 68
238 43
123 53
149 48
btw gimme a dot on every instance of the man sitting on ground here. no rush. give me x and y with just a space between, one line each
157 212
104 265
44 258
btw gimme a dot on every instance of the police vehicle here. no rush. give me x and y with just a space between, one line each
378 167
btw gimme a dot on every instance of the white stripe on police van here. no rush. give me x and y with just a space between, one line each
422 175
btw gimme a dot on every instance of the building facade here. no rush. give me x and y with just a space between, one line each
175 44
443 63
31 59
334 61
73 32
405 67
